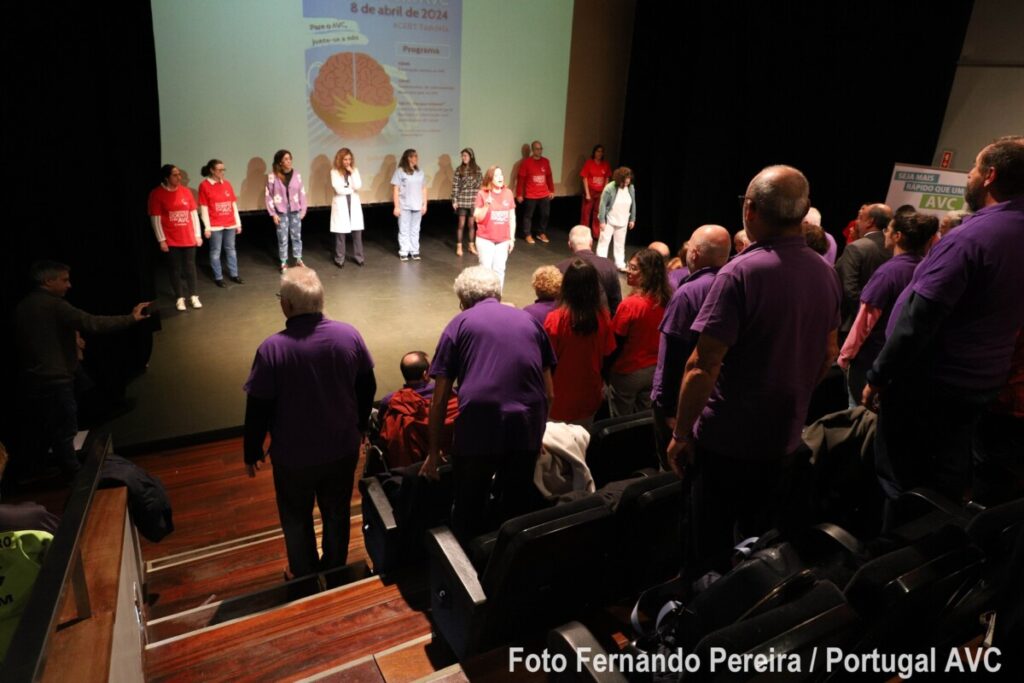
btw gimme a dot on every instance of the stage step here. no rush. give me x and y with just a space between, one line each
193 578
303 638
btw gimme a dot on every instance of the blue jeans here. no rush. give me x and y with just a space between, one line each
227 239
409 232
290 225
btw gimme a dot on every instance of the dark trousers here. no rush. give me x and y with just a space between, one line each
998 447
488 489
51 422
923 438
731 500
182 261
357 247
330 484
529 207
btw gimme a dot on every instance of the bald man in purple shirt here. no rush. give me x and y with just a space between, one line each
768 334
951 342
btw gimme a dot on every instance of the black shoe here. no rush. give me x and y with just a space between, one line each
340 264
360 263
219 283
415 257
237 279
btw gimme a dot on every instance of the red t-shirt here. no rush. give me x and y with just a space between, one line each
535 181
495 226
579 388
219 199
637 319
596 174
174 207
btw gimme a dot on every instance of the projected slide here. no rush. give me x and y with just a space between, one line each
382 75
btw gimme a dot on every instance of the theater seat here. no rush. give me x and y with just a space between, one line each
569 640
647 517
620 446
544 567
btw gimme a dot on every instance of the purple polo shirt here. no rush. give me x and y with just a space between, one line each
498 355
539 309
676 277
677 339
881 291
774 306
830 254
309 370
977 271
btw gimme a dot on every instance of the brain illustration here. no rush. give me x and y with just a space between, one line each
353 95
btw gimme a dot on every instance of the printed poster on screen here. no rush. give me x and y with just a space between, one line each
929 190
382 76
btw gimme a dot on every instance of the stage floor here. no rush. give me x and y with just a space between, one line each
201 358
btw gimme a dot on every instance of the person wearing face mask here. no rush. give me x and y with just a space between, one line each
286 203
172 211
495 216
218 208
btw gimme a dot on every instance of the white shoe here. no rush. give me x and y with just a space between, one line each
180 303
196 303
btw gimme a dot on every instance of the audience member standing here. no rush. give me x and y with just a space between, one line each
617 215
636 334
581 244
172 211
596 173
707 250
346 208
581 335
46 328
862 257
502 361
311 386
535 188
466 182
409 195
219 209
547 285
908 236
775 311
495 215
286 203
813 218
950 348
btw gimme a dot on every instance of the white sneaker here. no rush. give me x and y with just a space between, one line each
196 303
180 303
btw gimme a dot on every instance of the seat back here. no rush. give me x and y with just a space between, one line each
620 446
546 565
647 519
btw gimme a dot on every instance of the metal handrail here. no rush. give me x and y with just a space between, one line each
26 656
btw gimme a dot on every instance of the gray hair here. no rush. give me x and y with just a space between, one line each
781 196
302 290
475 284
813 217
952 219
43 271
581 237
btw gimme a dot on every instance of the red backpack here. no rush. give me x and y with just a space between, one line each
404 427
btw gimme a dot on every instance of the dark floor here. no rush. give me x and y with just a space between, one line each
201 358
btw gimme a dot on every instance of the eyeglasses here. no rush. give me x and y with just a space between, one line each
743 198
632 267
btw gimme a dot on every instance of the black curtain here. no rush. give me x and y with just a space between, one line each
841 90
82 149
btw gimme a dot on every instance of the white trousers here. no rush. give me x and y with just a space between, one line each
493 255
616 235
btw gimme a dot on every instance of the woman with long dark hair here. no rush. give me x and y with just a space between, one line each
218 208
581 335
596 173
286 203
636 324
409 195
172 211
346 209
466 183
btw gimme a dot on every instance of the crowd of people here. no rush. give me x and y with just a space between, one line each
725 348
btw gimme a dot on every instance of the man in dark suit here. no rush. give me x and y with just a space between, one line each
581 242
861 258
